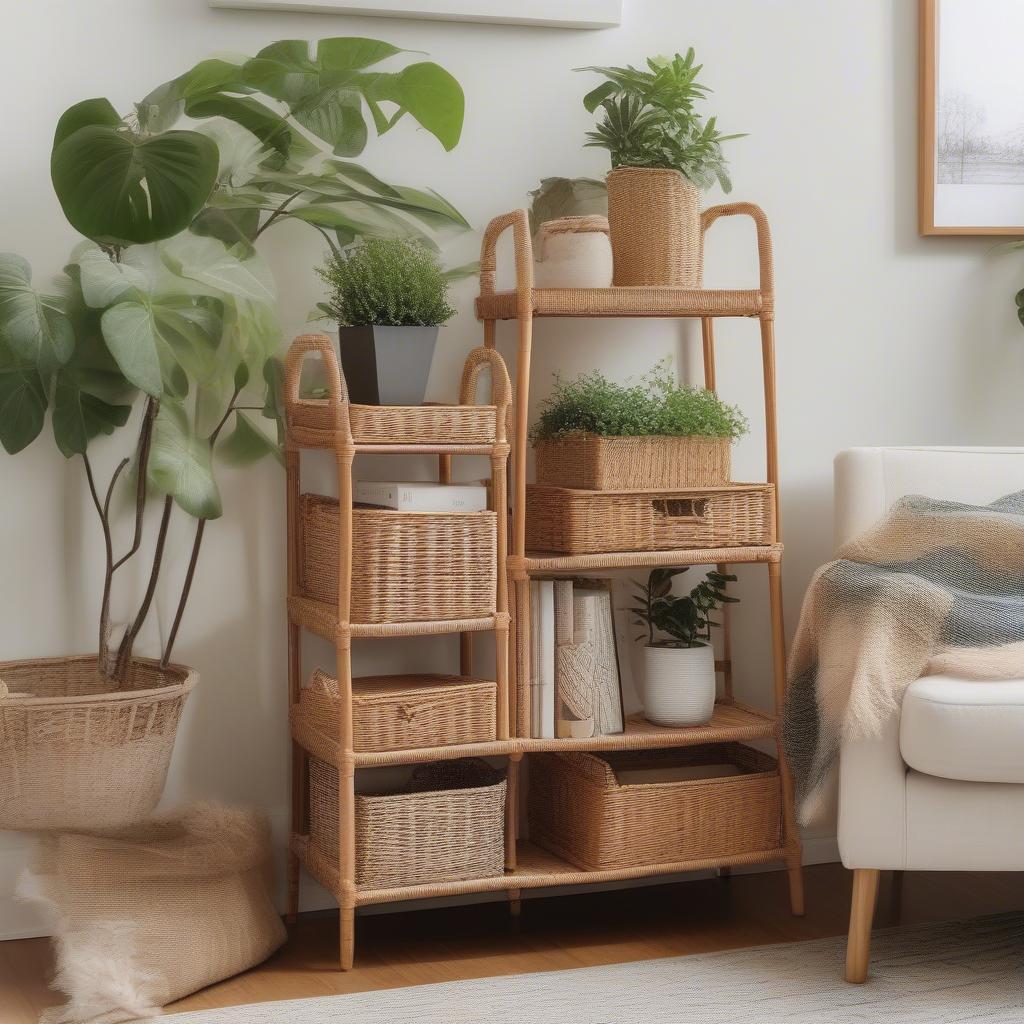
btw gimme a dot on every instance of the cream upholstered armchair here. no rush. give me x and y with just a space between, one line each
942 788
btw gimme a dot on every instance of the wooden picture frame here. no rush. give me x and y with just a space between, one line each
946 208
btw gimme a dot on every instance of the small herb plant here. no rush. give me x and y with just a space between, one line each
686 621
656 405
386 282
649 120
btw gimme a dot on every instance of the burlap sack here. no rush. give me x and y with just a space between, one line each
150 913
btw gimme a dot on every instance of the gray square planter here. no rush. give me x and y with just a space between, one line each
387 365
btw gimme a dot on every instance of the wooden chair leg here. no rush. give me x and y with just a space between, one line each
862 910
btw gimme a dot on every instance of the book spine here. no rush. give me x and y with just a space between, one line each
547 664
369 493
444 498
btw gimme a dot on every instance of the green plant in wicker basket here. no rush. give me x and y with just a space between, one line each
648 120
656 405
166 310
686 621
392 282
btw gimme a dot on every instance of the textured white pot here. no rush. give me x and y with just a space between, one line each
679 685
574 252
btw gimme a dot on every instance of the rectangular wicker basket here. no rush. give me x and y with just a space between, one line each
597 463
447 825
406 566
403 712
580 812
582 522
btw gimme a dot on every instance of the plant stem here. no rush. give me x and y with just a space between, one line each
145 441
275 214
102 651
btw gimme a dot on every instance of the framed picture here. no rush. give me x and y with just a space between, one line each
971 118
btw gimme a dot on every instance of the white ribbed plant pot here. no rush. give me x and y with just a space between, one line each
679 685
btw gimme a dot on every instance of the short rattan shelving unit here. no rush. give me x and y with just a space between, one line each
346 430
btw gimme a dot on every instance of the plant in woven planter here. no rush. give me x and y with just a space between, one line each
595 434
388 296
662 152
162 330
679 661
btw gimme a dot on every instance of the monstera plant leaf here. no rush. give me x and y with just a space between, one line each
180 463
35 326
119 187
22 401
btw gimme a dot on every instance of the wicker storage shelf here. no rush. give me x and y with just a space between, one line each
401 424
447 824
597 463
578 522
580 810
402 712
406 566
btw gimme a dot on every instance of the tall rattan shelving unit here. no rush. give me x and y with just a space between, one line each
732 721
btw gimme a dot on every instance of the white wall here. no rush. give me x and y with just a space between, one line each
883 337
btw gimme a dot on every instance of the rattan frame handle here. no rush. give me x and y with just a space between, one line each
337 389
501 386
519 221
764 237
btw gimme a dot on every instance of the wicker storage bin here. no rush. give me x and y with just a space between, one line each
580 810
654 220
403 712
582 522
596 463
406 566
402 424
448 824
76 756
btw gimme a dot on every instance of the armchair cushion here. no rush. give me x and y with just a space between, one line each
966 730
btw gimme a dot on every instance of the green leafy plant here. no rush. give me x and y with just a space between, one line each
649 120
567 197
166 309
656 405
685 621
392 282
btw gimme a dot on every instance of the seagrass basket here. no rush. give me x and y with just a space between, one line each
75 755
596 463
581 811
407 566
654 222
447 824
577 522
402 712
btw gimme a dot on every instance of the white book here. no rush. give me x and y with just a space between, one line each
593 628
420 496
542 659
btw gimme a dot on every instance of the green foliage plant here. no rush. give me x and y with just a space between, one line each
649 119
388 282
654 406
166 309
567 197
686 620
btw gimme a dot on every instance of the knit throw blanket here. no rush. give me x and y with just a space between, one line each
935 588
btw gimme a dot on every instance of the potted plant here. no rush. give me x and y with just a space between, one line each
679 668
662 151
161 331
596 434
388 296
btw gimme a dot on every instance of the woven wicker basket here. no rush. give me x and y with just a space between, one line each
447 825
654 217
76 756
409 566
597 463
580 811
403 712
581 522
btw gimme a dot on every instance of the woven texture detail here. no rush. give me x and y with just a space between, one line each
76 755
596 463
584 522
579 811
654 218
448 824
410 566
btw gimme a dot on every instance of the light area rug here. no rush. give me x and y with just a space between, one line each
970 971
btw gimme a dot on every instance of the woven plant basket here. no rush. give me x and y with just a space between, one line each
75 755
580 811
654 217
402 712
446 825
595 463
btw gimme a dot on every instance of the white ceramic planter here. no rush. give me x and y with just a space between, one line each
574 252
679 685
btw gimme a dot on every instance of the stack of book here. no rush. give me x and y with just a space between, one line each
574 671
420 496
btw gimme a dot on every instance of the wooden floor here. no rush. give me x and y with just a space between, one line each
552 934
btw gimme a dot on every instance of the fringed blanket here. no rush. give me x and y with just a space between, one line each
935 587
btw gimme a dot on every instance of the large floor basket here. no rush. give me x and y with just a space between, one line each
76 756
